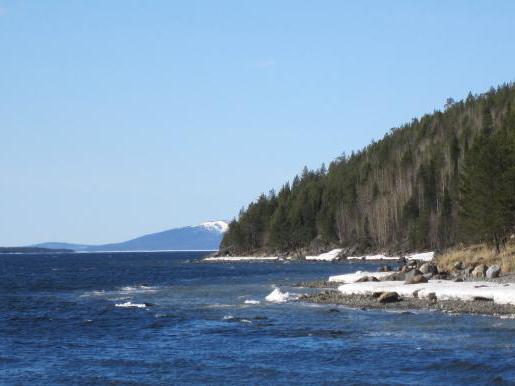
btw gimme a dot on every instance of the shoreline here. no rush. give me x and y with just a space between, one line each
334 255
364 302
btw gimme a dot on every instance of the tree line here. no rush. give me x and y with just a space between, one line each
446 177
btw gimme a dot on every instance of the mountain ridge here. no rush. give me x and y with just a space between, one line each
205 236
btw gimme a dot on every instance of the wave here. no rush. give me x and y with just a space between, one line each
130 304
276 296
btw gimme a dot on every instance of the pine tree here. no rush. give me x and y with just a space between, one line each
487 188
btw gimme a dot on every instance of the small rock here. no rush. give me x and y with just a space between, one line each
482 299
458 279
493 271
396 276
428 276
417 279
384 268
458 265
388 297
428 268
467 271
432 297
479 271
366 278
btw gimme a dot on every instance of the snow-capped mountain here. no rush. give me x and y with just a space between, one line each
218 226
206 236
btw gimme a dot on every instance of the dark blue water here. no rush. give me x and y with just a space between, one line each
60 324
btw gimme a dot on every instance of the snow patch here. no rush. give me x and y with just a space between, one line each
216 226
373 257
332 255
443 289
241 258
423 256
352 277
328 256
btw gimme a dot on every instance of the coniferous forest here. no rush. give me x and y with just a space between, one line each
445 178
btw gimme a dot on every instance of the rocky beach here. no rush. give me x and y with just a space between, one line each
419 285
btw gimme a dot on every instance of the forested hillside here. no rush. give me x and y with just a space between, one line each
446 177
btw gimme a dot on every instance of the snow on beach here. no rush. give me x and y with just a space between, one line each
373 257
353 277
328 256
241 258
423 256
443 289
333 255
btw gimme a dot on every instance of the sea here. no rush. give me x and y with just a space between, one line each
168 318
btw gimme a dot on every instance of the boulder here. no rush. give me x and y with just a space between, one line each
417 279
479 271
388 297
493 271
410 274
428 276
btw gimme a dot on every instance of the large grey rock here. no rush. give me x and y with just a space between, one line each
388 297
479 271
493 271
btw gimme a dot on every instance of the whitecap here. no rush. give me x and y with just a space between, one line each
130 304
250 301
276 296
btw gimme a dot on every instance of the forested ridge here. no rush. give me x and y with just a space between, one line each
444 178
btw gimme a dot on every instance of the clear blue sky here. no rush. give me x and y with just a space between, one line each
119 118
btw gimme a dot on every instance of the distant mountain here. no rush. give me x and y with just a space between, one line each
206 236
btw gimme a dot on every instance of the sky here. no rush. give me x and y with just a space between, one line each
120 118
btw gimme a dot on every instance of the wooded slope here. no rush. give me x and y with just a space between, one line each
403 192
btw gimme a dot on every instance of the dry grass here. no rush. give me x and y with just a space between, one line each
478 254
